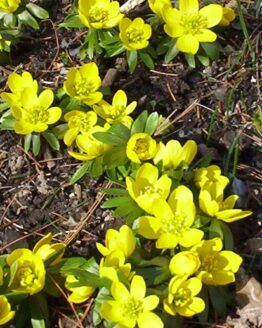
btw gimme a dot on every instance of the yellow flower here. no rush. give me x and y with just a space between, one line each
147 188
89 146
35 113
184 263
206 176
79 294
217 267
5 311
158 6
78 122
29 276
17 84
45 250
134 34
83 83
9 6
122 240
1 276
228 16
181 297
131 307
99 14
173 154
172 222
118 111
211 203
191 25
140 147
113 263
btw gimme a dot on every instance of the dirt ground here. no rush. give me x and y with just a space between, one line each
213 106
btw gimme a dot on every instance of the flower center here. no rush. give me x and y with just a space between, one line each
82 123
134 35
84 87
182 297
141 147
176 225
132 308
151 191
193 24
209 263
37 114
98 14
116 111
26 276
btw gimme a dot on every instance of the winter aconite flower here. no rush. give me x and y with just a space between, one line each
99 14
181 297
173 154
114 263
190 25
228 16
17 84
89 146
134 34
79 294
122 240
217 267
147 187
47 250
141 147
5 311
157 6
172 222
129 308
78 122
184 263
9 6
206 176
212 203
35 113
30 272
117 112
82 83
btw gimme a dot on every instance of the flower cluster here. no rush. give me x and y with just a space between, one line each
23 274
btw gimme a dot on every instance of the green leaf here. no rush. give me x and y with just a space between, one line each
37 11
80 172
203 316
215 229
13 270
36 144
9 20
131 60
109 139
38 310
16 297
151 123
27 141
140 123
96 168
211 49
27 19
115 157
172 52
228 236
147 60
72 21
116 201
204 60
67 264
52 140
190 59
218 300
8 124
86 278
92 42
120 130
115 192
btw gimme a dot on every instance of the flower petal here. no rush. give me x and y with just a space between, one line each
150 302
138 287
149 319
213 14
119 291
206 35
189 6
188 44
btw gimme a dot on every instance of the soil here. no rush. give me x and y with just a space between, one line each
35 196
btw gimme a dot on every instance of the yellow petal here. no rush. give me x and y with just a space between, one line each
70 136
46 98
197 305
54 114
191 237
167 240
119 99
149 319
213 14
138 287
149 227
206 35
184 263
150 302
188 44
189 6
232 215
119 291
